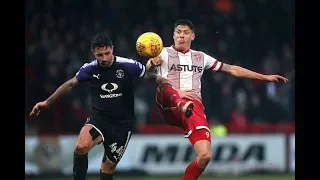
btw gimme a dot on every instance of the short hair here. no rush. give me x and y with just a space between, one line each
185 22
101 39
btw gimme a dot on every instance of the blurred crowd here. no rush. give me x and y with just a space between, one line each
258 35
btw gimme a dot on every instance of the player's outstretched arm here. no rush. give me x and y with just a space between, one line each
154 78
61 91
241 72
153 63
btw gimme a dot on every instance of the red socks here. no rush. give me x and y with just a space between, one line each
192 172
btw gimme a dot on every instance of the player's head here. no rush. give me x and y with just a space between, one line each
184 33
102 48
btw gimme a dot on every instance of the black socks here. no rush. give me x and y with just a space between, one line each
80 166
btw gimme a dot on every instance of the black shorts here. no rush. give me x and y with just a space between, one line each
115 137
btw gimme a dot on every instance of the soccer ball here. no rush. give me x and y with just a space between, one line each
149 45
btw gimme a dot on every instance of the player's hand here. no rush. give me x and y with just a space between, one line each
38 107
275 78
185 94
156 61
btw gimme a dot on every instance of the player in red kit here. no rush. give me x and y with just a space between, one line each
184 67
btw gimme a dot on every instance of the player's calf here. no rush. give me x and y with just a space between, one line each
107 170
105 176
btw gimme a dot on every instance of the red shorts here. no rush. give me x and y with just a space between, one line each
174 117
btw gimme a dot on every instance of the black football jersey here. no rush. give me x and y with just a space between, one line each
112 88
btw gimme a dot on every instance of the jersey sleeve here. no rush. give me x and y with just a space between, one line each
164 57
212 63
138 69
83 75
135 68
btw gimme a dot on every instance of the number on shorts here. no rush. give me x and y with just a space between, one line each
208 135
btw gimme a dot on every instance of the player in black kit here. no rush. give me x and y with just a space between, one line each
111 79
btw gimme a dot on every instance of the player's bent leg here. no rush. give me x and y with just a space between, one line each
201 142
88 138
171 96
117 139
107 169
186 108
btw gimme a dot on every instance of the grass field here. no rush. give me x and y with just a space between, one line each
253 177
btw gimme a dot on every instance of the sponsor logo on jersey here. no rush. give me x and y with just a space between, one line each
110 88
190 68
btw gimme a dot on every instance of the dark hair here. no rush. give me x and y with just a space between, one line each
101 39
185 22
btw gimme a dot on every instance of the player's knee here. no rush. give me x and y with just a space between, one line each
204 158
82 148
201 142
108 167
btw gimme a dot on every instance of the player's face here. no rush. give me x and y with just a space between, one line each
182 37
104 55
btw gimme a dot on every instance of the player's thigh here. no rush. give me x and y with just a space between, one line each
115 143
89 136
196 121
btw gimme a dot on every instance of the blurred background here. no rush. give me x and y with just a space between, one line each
257 118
